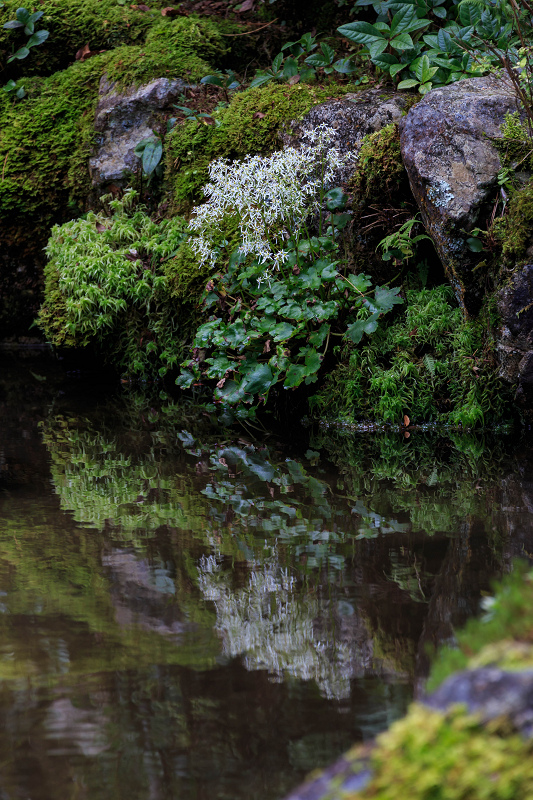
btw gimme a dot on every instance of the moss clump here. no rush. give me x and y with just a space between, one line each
428 364
250 124
517 228
380 171
433 756
106 285
44 138
184 275
103 24
175 48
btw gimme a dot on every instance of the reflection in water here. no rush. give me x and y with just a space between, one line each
188 615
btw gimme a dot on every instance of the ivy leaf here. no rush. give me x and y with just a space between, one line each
386 298
281 331
295 375
355 332
185 379
258 380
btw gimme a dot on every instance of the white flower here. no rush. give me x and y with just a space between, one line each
270 195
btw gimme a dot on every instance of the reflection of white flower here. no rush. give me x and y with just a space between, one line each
277 628
266 193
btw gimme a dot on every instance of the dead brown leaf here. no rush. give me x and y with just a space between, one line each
84 52
246 6
169 11
258 115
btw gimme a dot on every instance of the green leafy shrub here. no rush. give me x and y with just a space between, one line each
105 285
429 44
428 364
285 291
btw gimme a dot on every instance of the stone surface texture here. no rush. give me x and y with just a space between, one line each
452 166
490 693
122 120
352 117
515 343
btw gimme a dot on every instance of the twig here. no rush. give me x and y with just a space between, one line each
247 33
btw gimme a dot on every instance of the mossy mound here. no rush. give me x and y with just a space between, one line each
433 756
105 25
106 286
380 172
427 363
516 229
251 124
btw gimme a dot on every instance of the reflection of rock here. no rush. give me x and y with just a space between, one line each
123 119
275 627
78 729
141 594
452 167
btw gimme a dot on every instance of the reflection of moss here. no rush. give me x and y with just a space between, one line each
51 575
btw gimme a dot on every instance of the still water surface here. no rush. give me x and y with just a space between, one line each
196 614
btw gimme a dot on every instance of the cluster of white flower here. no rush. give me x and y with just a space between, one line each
272 196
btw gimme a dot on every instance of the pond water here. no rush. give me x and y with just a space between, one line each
199 614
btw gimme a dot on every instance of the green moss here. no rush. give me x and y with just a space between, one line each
176 48
106 286
186 279
46 139
427 363
103 24
380 170
250 124
433 756
517 227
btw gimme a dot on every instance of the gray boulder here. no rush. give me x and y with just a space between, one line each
452 166
490 693
122 120
515 342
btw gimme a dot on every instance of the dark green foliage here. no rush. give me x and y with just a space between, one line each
428 364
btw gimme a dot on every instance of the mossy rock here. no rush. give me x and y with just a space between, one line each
429 755
105 25
251 124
